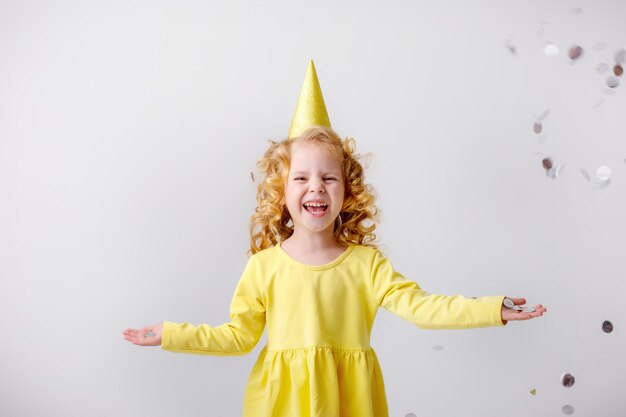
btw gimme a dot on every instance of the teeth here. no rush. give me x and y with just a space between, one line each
315 204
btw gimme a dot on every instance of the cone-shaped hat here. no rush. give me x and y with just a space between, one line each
310 110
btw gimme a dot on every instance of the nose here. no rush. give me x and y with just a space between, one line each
316 186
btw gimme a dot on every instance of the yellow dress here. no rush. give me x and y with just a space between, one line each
318 361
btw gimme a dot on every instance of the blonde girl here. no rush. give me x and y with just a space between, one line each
315 279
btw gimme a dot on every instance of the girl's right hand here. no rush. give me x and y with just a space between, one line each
146 336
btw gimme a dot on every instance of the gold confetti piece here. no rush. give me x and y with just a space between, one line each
567 380
533 392
547 163
575 52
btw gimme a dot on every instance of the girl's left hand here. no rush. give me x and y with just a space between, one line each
510 314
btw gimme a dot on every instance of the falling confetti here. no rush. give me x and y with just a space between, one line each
618 70
410 415
438 348
599 46
567 409
510 45
620 56
567 380
533 392
550 49
585 174
537 127
602 67
603 173
252 175
543 115
575 10
612 81
575 52
607 326
547 163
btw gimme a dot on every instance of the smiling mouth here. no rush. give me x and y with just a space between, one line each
316 208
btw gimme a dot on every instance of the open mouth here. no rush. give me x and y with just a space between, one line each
316 209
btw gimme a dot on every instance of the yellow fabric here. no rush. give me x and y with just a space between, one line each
318 361
310 109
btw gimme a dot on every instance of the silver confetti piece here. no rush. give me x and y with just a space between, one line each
603 173
150 334
438 348
567 409
585 174
543 115
599 46
620 56
537 127
550 49
602 67
612 81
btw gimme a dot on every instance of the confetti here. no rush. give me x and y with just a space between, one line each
567 409
543 115
602 67
533 392
585 174
438 348
410 415
575 52
612 81
510 45
607 326
550 49
618 70
547 163
150 334
252 175
567 380
537 127
599 46
620 56
575 10
603 173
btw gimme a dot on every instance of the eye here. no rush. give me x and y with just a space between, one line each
330 179
299 179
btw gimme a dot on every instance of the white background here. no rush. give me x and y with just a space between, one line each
128 131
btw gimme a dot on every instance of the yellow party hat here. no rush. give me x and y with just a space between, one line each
310 110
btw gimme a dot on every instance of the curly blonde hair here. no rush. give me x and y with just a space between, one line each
269 225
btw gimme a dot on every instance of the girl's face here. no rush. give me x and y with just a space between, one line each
314 190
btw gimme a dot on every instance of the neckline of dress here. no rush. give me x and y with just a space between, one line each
329 265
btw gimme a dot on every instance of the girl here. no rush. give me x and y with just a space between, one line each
316 279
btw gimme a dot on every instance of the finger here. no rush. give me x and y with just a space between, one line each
519 301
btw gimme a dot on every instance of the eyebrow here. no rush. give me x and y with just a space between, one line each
304 173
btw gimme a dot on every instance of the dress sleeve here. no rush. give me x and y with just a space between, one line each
247 314
406 299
